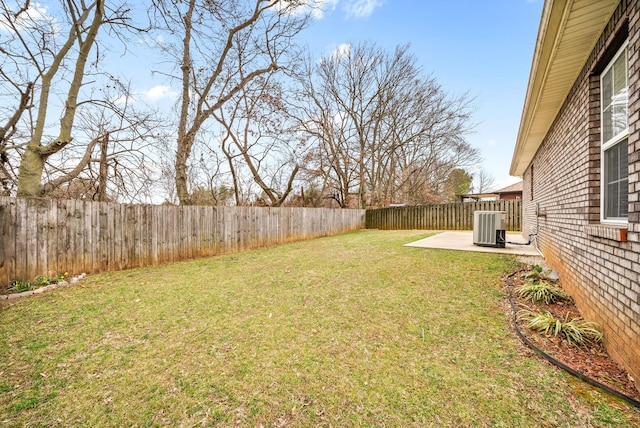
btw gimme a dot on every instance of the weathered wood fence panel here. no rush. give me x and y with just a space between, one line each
44 236
454 216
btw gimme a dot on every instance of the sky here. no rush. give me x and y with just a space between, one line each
480 47
483 48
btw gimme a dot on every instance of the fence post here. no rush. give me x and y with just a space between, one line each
43 236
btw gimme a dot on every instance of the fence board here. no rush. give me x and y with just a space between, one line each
21 240
49 236
8 240
64 234
454 216
41 236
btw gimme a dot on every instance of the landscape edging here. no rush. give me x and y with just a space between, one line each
40 290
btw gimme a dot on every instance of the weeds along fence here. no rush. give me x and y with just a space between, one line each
453 216
44 236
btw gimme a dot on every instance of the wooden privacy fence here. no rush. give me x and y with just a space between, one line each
45 236
454 216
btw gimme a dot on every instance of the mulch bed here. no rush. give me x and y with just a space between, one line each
592 360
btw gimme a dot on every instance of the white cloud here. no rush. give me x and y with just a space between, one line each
361 8
492 142
35 14
319 8
323 6
335 52
123 99
160 91
342 50
316 8
154 94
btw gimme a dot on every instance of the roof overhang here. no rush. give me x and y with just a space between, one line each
569 30
480 195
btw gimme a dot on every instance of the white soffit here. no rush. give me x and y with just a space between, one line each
569 30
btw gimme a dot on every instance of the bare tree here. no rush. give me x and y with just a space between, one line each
83 29
8 175
332 160
47 66
258 131
219 48
384 131
483 181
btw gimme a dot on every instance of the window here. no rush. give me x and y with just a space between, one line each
614 131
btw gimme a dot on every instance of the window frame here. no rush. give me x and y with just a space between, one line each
614 140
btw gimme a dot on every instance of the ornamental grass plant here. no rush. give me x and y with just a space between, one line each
576 331
542 291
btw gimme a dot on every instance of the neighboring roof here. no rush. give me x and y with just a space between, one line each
480 195
568 32
514 188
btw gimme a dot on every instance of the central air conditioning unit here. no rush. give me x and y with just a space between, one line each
489 228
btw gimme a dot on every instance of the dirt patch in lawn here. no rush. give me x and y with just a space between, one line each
591 360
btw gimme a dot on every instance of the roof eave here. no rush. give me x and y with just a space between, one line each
563 25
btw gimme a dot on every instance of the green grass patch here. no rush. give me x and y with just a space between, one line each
350 330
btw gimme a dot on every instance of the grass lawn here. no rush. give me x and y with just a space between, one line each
351 330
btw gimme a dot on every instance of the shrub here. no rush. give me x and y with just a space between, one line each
535 274
576 331
542 292
19 285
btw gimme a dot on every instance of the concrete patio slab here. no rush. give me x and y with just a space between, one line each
463 241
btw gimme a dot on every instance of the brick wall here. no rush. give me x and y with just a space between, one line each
599 265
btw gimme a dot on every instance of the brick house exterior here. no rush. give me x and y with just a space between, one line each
560 152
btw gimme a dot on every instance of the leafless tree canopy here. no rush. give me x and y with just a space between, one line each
383 131
258 131
219 48
254 121
483 181
65 119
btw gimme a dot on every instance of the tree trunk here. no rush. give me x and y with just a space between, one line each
185 137
35 155
182 189
102 184
29 178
